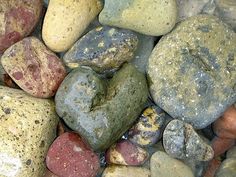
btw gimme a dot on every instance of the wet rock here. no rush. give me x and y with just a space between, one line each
17 20
194 79
101 111
227 168
147 131
103 49
181 141
147 17
126 153
28 127
162 165
33 67
65 22
70 156
118 171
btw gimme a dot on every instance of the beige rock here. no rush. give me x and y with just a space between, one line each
28 127
66 20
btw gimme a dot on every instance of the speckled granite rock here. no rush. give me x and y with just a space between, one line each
103 48
28 127
227 168
181 141
162 165
101 111
191 71
147 17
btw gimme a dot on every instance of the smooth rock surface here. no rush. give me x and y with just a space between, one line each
33 67
227 168
162 165
153 18
231 153
103 48
191 70
101 111
181 141
28 127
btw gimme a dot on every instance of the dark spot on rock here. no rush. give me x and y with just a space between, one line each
36 121
7 110
42 144
28 162
17 75
205 28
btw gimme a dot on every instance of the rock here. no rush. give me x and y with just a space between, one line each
226 11
65 21
70 156
196 74
28 127
182 142
197 167
46 2
212 168
227 168
126 153
231 153
162 165
17 20
120 171
49 174
5 79
103 49
143 52
225 126
221 145
33 67
147 17
101 111
148 129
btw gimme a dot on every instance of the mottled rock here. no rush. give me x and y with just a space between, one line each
103 49
191 71
17 20
28 127
162 165
181 141
70 156
65 21
227 168
147 17
147 131
126 153
101 111
33 67
120 171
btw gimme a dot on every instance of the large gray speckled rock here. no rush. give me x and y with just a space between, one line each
101 111
181 141
191 71
28 127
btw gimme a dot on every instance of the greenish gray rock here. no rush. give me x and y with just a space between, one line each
182 142
191 71
101 111
227 168
162 165
231 153
153 18
28 127
103 49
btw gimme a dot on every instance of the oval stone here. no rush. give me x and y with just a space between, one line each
103 48
17 20
33 67
191 70
70 156
101 111
28 127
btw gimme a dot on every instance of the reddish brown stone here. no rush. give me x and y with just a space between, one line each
69 156
221 145
213 165
17 20
225 126
33 67
126 153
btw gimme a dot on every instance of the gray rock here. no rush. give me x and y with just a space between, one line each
182 142
191 71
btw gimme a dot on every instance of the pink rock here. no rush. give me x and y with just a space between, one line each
69 156
126 153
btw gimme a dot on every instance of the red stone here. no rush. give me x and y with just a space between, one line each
221 145
212 167
69 156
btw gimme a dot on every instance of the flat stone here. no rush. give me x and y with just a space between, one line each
182 142
101 111
162 165
153 18
191 70
28 127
